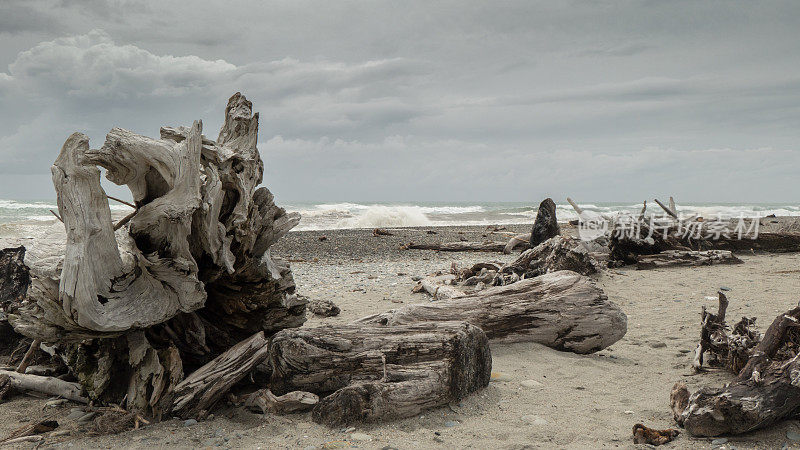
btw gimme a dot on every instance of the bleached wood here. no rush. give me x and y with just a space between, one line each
562 310
438 287
189 276
516 241
45 385
575 206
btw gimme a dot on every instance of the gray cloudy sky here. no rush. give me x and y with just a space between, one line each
443 101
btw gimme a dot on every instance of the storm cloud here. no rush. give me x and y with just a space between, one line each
405 101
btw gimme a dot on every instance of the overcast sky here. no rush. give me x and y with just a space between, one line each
439 101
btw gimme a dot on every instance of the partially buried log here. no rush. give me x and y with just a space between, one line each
766 389
366 373
563 310
674 258
486 246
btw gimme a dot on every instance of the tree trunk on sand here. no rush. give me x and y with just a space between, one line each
767 388
562 310
546 224
486 246
369 373
684 258
189 276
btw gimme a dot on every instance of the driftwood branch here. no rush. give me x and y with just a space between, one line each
46 385
56 215
486 246
196 394
667 209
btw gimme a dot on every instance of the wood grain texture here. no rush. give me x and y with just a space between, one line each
563 310
366 373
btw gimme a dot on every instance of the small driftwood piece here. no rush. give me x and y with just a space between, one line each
683 258
437 287
562 310
26 360
516 241
382 232
264 401
486 246
366 373
575 206
645 435
45 385
669 209
197 393
766 389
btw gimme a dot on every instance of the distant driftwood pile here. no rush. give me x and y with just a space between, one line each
167 311
645 248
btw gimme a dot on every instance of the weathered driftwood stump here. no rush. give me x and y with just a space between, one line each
132 309
367 373
563 310
767 387
546 225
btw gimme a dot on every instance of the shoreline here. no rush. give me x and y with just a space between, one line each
566 400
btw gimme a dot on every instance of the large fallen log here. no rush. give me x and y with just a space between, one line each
189 276
368 373
766 389
562 310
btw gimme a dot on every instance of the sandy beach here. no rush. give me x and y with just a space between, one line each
541 398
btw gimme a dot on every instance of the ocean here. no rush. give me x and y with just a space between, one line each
328 216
